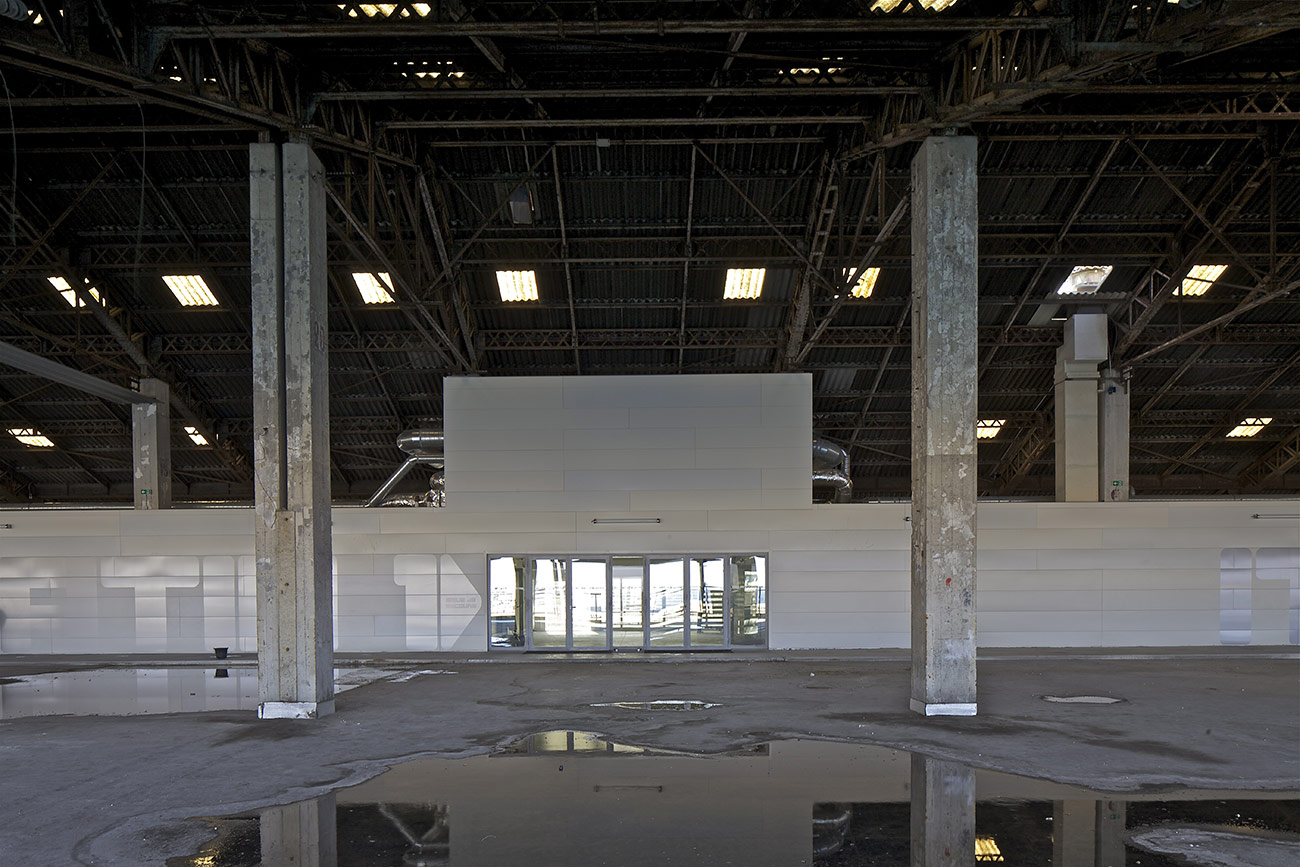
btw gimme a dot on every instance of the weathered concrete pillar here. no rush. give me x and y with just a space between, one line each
151 446
1112 822
295 632
301 835
943 813
944 376
1078 467
1113 426
1074 833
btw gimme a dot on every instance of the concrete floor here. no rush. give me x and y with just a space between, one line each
115 790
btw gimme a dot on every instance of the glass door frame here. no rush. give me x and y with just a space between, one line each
688 611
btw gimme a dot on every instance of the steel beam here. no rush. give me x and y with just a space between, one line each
71 377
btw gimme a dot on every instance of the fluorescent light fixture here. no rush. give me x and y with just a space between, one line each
190 290
744 283
375 288
30 436
198 438
385 10
517 285
65 289
928 5
987 428
1085 279
1249 427
986 849
1199 280
866 283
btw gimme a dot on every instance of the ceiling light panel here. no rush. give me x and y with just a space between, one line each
928 5
865 284
64 288
30 436
517 285
190 290
1199 280
988 428
1249 427
374 288
385 10
1085 279
744 283
197 438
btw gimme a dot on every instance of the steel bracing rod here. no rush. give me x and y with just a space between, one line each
412 304
375 373
55 372
1032 286
820 221
440 94
1244 307
1188 363
1244 192
564 248
1233 417
793 247
689 251
1164 458
576 29
1279 459
735 40
460 302
488 47
896 217
1215 229
1026 450
235 113
39 241
625 122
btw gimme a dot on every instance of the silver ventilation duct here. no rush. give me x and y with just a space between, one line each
15 10
830 470
425 448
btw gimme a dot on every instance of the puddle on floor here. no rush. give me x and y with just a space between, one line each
575 797
132 691
659 704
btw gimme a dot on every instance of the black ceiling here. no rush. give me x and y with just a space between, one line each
660 143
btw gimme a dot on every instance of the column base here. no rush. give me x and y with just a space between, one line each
295 709
943 709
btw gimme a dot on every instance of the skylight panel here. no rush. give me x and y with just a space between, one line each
197 438
865 284
988 428
986 849
30 436
744 283
375 288
1249 427
386 10
517 285
1199 280
1085 279
190 289
65 289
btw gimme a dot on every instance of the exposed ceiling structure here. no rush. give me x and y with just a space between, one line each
629 153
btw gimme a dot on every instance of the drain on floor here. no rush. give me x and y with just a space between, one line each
1081 699
661 704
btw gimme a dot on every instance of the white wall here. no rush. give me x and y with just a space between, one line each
628 443
1050 574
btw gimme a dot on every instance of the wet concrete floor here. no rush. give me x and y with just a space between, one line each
118 790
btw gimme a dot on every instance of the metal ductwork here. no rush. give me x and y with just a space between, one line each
424 448
15 10
830 470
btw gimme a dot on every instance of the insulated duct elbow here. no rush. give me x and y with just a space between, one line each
830 465
15 10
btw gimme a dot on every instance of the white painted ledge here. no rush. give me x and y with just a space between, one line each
949 709
295 709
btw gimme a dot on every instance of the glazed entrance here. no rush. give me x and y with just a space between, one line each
628 602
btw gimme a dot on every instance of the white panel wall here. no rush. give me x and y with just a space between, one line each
619 444
1050 574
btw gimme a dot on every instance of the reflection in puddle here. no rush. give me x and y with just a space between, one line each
660 704
132 691
572 797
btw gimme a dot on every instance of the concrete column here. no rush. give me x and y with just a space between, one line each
944 376
295 634
151 445
1078 467
1112 821
1074 833
302 835
943 813
1112 436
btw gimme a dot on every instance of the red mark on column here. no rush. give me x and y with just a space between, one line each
947 581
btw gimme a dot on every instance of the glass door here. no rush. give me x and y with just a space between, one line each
627 602
707 581
590 605
550 621
667 602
